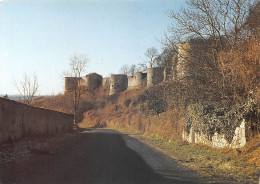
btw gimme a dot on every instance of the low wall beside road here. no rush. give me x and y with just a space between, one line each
18 119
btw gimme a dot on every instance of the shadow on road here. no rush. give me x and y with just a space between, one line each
101 156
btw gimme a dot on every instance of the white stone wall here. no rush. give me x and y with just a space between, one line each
218 140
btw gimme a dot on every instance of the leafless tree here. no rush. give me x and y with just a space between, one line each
133 69
142 66
151 54
124 69
150 59
252 23
28 87
211 26
165 58
221 20
129 70
78 64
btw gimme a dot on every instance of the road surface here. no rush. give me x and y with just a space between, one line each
104 157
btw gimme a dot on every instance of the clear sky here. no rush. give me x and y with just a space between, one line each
39 36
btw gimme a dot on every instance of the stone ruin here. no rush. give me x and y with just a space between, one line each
93 80
182 69
155 75
117 83
71 83
137 81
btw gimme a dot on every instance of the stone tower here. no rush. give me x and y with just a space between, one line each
93 81
71 83
155 75
183 61
118 83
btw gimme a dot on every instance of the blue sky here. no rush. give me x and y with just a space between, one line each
39 36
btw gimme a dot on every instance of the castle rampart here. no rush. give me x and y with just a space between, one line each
183 59
118 83
93 81
155 75
138 80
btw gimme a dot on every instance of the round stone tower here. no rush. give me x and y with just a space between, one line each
184 50
155 75
93 80
140 79
118 83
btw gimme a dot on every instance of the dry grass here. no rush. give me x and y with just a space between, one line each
164 129
240 68
127 111
218 165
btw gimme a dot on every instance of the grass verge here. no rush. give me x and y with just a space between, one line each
212 163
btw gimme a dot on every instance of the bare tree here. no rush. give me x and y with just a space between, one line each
151 54
165 58
133 69
142 66
129 70
210 26
28 87
253 21
124 69
150 59
78 65
220 20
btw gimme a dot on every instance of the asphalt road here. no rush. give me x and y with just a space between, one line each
104 157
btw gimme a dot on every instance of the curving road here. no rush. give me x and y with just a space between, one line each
105 157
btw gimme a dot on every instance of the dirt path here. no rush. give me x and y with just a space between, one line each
102 156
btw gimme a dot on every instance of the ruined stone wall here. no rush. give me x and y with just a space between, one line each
71 83
167 74
184 58
196 62
106 83
118 83
93 81
141 79
155 75
138 80
18 119
131 82
218 139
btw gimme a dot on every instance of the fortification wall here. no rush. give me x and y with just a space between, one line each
155 75
18 119
118 83
218 140
195 61
138 80
93 81
131 82
167 74
184 58
106 83
71 83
